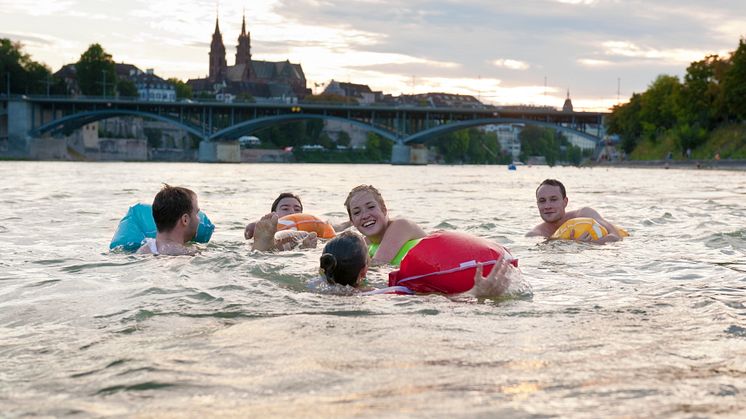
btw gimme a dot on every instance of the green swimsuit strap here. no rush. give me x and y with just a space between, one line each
396 261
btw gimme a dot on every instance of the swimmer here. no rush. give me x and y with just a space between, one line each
285 204
267 238
345 261
551 200
176 215
368 213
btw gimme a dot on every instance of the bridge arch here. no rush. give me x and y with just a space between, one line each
71 122
259 123
428 134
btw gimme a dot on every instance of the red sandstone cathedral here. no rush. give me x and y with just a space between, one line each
259 79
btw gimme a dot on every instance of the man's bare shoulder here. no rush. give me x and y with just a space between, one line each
540 230
144 250
587 212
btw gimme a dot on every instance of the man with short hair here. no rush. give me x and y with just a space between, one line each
551 200
176 215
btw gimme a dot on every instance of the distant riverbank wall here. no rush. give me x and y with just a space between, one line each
675 164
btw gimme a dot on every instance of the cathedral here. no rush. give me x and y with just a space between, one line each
259 79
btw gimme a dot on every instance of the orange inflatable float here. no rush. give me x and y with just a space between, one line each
306 222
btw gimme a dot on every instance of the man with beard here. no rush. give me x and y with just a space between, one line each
551 199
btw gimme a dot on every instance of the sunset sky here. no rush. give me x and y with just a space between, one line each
503 52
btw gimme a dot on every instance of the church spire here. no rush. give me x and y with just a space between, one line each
218 65
567 107
243 49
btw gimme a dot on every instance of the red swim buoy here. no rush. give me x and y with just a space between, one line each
445 262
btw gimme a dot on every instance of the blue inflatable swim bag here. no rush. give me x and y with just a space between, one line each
138 224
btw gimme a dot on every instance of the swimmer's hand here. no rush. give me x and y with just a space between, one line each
264 233
586 237
248 232
290 239
494 284
310 241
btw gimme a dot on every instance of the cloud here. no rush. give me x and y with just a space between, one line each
511 64
591 62
631 50
36 7
584 2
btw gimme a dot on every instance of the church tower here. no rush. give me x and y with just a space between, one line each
243 49
567 107
218 64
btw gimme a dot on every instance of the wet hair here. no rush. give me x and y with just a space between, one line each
283 196
553 182
343 258
364 188
170 204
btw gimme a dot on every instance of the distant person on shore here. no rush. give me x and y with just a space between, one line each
176 215
551 200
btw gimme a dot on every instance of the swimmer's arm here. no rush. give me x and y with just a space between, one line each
344 225
398 232
612 232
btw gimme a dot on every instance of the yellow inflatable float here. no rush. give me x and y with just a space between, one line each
582 226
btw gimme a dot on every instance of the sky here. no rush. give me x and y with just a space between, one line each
502 52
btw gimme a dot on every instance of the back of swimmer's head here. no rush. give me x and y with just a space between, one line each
170 204
344 259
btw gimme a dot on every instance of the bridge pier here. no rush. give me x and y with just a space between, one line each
219 152
19 124
404 154
400 153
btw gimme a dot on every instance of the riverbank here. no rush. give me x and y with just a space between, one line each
727 164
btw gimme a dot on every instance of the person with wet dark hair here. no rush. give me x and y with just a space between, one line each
176 215
345 260
285 204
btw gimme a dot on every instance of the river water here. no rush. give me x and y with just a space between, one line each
654 326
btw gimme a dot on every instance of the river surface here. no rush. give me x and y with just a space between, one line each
653 326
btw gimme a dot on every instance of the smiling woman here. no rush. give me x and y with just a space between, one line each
384 237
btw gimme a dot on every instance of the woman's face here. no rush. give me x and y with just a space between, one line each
288 206
367 215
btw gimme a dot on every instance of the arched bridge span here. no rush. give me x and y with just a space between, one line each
69 123
431 133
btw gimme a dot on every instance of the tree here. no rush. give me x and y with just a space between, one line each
343 139
734 85
183 90
537 141
625 121
659 106
26 75
126 88
700 93
95 72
